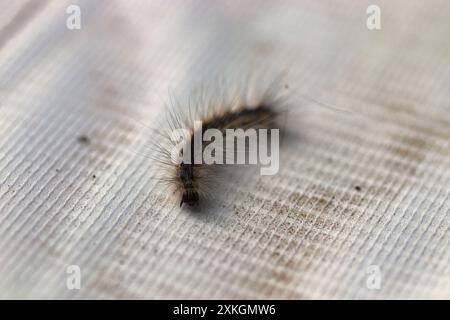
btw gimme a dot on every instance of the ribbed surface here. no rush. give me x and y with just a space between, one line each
366 186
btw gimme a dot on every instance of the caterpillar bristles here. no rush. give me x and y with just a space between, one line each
195 182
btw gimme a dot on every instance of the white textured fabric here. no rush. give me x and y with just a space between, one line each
362 186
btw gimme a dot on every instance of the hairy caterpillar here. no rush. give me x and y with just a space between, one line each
241 109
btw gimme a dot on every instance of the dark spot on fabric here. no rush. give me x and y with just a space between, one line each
83 139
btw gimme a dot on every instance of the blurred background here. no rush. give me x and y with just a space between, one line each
359 209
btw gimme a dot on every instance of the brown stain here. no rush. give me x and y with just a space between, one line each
106 96
414 134
407 154
408 147
298 241
264 48
310 243
50 250
107 93
291 258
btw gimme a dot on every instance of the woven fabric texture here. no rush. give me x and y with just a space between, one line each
360 207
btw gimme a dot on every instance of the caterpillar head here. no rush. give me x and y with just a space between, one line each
190 194
190 197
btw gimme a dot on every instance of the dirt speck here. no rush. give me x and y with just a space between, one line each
264 47
83 139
